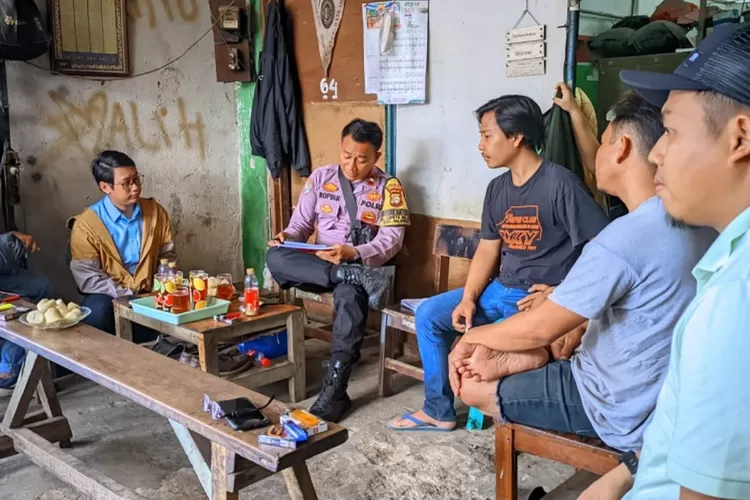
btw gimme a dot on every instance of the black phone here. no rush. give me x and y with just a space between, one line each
242 415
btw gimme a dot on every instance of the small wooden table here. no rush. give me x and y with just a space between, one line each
207 333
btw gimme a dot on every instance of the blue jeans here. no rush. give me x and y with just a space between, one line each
436 335
102 317
35 288
545 398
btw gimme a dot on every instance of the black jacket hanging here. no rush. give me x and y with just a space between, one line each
277 132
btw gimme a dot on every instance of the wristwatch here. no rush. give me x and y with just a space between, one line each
630 459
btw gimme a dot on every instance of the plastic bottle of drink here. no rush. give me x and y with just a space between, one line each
174 275
172 271
252 293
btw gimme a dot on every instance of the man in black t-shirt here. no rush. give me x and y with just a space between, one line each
535 221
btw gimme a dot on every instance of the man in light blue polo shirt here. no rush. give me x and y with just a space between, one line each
124 228
116 244
697 445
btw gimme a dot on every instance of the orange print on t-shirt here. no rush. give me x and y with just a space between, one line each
520 229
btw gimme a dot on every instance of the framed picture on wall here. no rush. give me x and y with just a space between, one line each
89 37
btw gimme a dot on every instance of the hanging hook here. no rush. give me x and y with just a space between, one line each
526 12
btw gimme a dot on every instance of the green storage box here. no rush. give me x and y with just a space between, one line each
147 307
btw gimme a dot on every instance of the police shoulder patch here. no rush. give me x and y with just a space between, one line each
395 210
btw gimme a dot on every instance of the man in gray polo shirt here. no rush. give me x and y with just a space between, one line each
631 283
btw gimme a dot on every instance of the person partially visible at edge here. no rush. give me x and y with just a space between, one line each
536 219
116 243
697 445
352 268
15 248
631 284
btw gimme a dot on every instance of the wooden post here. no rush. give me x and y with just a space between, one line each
295 335
123 327
220 458
298 483
385 381
505 464
208 353
24 392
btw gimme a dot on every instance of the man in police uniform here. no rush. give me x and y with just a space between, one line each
351 268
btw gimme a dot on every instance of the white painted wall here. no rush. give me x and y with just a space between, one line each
438 160
58 123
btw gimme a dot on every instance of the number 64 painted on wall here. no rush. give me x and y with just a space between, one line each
329 87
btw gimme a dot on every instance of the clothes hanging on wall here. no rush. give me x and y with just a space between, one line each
277 132
560 144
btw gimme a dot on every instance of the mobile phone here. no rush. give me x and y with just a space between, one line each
242 415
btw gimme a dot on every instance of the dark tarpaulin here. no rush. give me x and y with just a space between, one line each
560 142
560 147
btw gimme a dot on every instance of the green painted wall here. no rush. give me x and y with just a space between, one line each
253 173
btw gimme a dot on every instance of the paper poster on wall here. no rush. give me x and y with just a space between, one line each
395 46
327 15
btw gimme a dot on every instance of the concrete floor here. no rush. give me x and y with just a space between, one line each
137 448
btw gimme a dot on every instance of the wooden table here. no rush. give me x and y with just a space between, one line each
207 333
224 460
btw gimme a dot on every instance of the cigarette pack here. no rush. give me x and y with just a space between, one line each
280 441
293 430
312 424
12 313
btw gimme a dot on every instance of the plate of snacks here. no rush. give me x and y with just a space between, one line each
54 315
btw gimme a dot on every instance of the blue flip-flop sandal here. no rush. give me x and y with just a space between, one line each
420 427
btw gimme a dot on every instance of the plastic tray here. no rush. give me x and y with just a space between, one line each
147 307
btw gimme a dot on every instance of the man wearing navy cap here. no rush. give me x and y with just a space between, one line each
697 445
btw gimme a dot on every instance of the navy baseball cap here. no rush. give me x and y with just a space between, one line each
720 63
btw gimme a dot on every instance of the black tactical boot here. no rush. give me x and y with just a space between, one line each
375 280
333 402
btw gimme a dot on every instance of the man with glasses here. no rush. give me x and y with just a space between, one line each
117 242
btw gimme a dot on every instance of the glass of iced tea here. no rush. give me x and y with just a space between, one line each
180 300
159 281
198 288
178 278
224 286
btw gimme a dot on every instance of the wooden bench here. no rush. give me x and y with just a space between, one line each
451 242
586 454
224 460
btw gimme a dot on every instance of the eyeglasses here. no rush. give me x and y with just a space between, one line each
128 184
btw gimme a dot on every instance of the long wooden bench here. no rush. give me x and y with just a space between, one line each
224 460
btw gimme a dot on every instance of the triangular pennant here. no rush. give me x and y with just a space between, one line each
327 14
